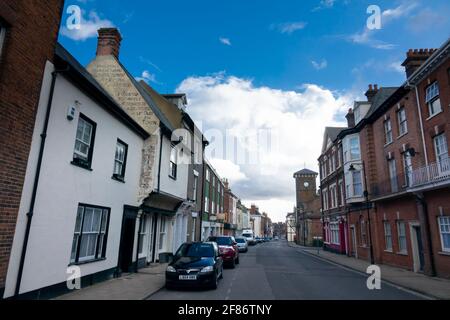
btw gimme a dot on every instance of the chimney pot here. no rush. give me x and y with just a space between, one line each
109 40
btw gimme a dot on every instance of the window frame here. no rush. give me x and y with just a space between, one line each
121 176
401 236
3 30
407 168
393 176
363 231
439 154
142 235
388 132
100 253
388 245
402 121
173 166
78 161
195 186
431 99
162 233
447 224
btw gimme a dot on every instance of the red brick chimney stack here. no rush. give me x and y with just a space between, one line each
109 40
415 58
370 94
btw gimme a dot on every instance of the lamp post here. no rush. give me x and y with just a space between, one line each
366 196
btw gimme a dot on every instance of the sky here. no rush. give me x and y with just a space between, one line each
266 76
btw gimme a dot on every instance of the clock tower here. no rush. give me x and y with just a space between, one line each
306 191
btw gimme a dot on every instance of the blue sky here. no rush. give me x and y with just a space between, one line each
298 63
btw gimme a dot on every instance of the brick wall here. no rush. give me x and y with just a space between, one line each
32 29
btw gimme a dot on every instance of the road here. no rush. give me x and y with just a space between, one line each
275 271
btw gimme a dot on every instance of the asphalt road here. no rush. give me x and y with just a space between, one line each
275 271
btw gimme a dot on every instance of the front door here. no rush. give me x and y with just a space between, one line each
127 240
420 253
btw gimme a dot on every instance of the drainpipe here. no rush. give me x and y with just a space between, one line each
160 159
36 182
421 126
203 193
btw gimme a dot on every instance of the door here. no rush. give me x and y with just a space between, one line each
354 246
420 254
127 240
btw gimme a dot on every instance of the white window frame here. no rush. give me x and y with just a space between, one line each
444 228
401 236
441 149
195 186
388 133
341 190
363 230
354 147
173 162
162 233
86 124
402 121
392 167
407 168
142 237
325 198
387 236
334 233
353 174
432 99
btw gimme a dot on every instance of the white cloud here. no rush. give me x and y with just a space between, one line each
396 66
89 27
228 170
147 77
289 27
320 65
296 120
225 41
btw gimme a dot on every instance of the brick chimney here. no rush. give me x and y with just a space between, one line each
370 94
108 42
415 58
350 118
253 209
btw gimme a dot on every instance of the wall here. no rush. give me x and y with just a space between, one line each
63 186
19 96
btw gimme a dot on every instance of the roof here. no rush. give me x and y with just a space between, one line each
90 86
382 95
331 133
306 171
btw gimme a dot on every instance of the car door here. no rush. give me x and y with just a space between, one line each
218 259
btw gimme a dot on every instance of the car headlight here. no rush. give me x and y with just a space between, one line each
171 269
207 269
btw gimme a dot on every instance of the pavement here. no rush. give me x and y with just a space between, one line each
276 271
432 287
133 286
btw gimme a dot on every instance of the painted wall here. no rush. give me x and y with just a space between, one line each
63 186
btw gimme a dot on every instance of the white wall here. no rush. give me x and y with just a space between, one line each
63 186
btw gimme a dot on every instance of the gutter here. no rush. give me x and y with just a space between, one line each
36 182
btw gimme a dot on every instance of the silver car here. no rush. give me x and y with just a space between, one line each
242 244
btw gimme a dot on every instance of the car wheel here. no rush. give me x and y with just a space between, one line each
215 283
233 264
221 273
237 260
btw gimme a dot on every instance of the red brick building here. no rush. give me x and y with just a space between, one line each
23 56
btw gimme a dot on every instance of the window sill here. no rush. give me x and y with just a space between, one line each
388 144
402 135
79 165
388 251
434 115
444 253
402 253
118 179
86 262
173 178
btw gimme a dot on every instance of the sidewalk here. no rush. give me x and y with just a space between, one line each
437 288
133 286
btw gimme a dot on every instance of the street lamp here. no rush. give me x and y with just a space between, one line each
366 196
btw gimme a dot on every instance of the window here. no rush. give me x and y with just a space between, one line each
357 114
2 37
195 187
325 199
388 131
142 235
432 99
440 144
402 121
339 160
363 233
162 233
444 228
333 195
357 184
333 162
407 168
393 175
90 236
120 160
173 162
341 189
334 233
401 229
355 153
387 236
84 142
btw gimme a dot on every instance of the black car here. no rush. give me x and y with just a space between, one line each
197 264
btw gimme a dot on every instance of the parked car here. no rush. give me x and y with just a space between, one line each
248 234
195 264
242 244
259 240
276 238
228 249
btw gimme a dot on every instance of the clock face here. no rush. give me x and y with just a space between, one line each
306 184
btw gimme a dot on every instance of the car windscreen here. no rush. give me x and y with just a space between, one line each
247 235
241 240
222 241
196 250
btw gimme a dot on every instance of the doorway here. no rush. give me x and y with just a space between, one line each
417 247
127 239
354 251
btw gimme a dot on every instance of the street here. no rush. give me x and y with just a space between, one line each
276 271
